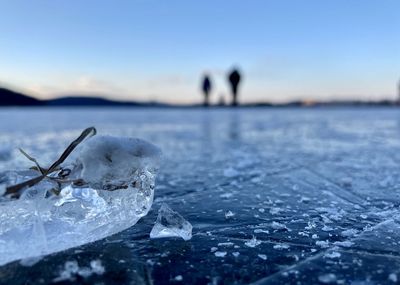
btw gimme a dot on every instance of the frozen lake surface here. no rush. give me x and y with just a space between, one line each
275 196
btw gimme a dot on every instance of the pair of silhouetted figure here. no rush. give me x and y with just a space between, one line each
234 80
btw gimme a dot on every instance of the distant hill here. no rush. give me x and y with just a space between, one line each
11 98
88 101
98 101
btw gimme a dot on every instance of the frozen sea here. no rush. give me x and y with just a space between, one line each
275 196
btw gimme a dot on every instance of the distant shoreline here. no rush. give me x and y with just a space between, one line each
9 98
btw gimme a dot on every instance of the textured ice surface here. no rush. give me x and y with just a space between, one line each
170 224
319 172
119 176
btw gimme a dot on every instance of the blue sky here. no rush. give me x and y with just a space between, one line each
158 50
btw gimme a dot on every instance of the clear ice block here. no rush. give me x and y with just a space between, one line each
118 189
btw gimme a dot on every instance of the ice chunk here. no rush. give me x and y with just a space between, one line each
393 277
262 256
171 224
344 243
332 254
278 226
229 214
328 278
220 253
327 228
349 233
281 246
226 244
117 188
322 243
252 242
258 231
178 278
109 163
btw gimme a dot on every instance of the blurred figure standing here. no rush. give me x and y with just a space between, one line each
206 88
234 80
398 93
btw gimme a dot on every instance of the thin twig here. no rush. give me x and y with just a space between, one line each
32 159
15 190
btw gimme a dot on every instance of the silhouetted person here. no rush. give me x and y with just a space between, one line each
206 87
398 90
234 80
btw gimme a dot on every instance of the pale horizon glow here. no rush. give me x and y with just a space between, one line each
158 50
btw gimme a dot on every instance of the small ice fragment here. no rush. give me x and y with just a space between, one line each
329 278
229 215
226 195
275 210
171 224
72 270
310 225
261 210
333 254
314 236
322 243
281 246
363 216
344 243
236 253
226 244
252 242
327 228
220 253
97 267
214 249
262 256
393 277
349 233
231 172
303 234
258 231
178 278
278 226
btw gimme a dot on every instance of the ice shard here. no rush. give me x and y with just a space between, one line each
171 224
109 187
